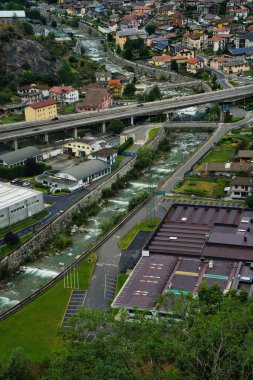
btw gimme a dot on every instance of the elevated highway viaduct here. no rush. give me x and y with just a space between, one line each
72 122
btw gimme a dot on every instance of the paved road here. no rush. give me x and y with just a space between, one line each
20 130
219 74
109 253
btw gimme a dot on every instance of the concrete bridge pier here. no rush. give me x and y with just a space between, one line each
103 128
75 134
132 121
13 144
45 138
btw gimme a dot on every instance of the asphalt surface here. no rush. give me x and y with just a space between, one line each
18 130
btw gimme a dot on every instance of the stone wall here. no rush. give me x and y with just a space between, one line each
28 251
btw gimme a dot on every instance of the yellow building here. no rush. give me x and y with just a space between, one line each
46 109
84 147
129 34
159 60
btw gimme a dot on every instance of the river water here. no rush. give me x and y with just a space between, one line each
40 271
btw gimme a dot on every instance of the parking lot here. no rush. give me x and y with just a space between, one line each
110 286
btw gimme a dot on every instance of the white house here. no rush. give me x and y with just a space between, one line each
64 94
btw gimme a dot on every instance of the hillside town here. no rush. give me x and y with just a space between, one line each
126 189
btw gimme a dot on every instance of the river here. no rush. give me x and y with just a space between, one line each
29 278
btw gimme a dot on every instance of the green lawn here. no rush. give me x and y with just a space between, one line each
209 187
121 279
152 132
24 223
12 119
220 154
143 225
35 326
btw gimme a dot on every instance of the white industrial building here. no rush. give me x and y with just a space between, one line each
75 177
18 203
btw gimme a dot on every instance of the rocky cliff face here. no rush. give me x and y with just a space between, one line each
17 55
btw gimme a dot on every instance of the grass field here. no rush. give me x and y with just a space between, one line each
35 327
220 154
202 187
152 132
143 225
121 279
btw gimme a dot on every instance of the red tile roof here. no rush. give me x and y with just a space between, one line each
45 103
192 61
61 89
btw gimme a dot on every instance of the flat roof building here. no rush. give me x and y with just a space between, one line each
18 203
192 244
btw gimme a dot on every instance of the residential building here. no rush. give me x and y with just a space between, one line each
64 94
12 108
77 176
107 155
216 43
241 13
244 40
103 77
84 147
194 65
96 99
227 169
245 155
142 8
31 98
240 188
20 156
192 244
8 17
129 34
18 203
40 111
161 60
196 41
235 67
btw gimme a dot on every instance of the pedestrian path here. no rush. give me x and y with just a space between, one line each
76 302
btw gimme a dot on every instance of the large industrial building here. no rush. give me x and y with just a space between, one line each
18 203
193 243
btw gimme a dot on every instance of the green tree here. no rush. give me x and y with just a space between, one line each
128 54
116 126
154 94
174 65
150 28
130 89
11 239
27 28
144 52
144 157
19 367
249 201
118 50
